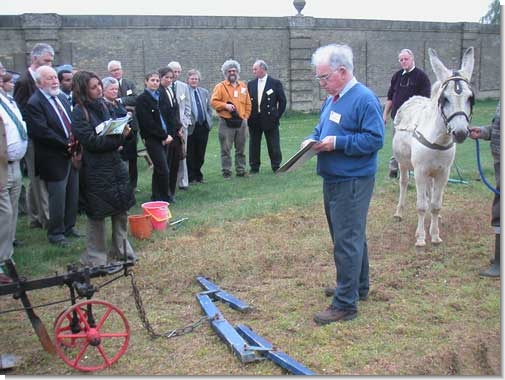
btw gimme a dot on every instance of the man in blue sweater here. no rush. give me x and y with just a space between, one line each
350 133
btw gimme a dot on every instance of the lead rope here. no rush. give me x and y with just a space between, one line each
481 173
147 325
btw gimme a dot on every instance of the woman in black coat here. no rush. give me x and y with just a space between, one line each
107 190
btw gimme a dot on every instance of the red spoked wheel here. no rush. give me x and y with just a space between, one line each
103 337
71 325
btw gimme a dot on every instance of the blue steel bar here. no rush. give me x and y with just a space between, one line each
226 297
277 357
226 331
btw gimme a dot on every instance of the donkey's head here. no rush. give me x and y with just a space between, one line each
455 94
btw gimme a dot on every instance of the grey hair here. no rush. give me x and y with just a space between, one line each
40 49
261 64
107 81
38 72
174 65
227 65
408 51
113 63
194 72
334 55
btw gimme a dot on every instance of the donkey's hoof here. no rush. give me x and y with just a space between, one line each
398 218
420 244
436 241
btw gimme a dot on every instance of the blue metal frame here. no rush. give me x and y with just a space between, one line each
226 331
278 357
215 291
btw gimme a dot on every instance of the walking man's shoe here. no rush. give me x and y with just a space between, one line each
334 315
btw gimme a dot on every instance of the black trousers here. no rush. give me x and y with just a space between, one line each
161 170
197 145
272 138
174 160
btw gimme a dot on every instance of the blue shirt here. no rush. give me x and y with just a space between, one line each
356 121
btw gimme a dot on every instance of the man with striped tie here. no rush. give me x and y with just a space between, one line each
49 126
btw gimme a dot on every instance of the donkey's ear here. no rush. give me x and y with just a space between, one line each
441 72
467 63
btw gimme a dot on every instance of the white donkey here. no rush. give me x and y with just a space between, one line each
425 137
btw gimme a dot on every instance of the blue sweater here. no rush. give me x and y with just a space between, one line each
356 121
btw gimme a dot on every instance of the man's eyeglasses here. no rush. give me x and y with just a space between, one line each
324 77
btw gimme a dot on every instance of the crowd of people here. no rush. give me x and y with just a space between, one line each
54 120
54 117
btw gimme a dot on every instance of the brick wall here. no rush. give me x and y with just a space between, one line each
144 43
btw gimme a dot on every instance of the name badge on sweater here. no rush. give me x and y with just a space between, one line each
243 90
235 94
270 92
129 92
335 117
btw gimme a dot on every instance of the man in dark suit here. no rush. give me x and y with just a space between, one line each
127 95
49 126
36 196
201 124
268 104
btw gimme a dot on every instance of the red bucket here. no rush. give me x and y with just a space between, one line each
159 212
140 226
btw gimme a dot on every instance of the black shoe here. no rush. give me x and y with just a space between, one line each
17 243
227 176
493 271
334 315
35 224
393 173
73 233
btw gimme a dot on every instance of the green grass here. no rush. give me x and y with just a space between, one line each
219 201
265 239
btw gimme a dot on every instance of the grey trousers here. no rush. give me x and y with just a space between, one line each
182 174
37 197
63 204
9 198
96 253
229 137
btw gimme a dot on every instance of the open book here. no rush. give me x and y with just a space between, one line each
113 126
299 158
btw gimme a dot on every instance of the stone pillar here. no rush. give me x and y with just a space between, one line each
303 90
43 27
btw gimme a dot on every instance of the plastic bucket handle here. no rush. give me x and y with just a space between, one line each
169 215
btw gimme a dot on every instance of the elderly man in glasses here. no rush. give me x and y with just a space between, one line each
348 137
406 82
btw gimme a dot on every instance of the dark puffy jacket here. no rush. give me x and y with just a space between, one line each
106 186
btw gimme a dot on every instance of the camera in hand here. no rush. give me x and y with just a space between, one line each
235 121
